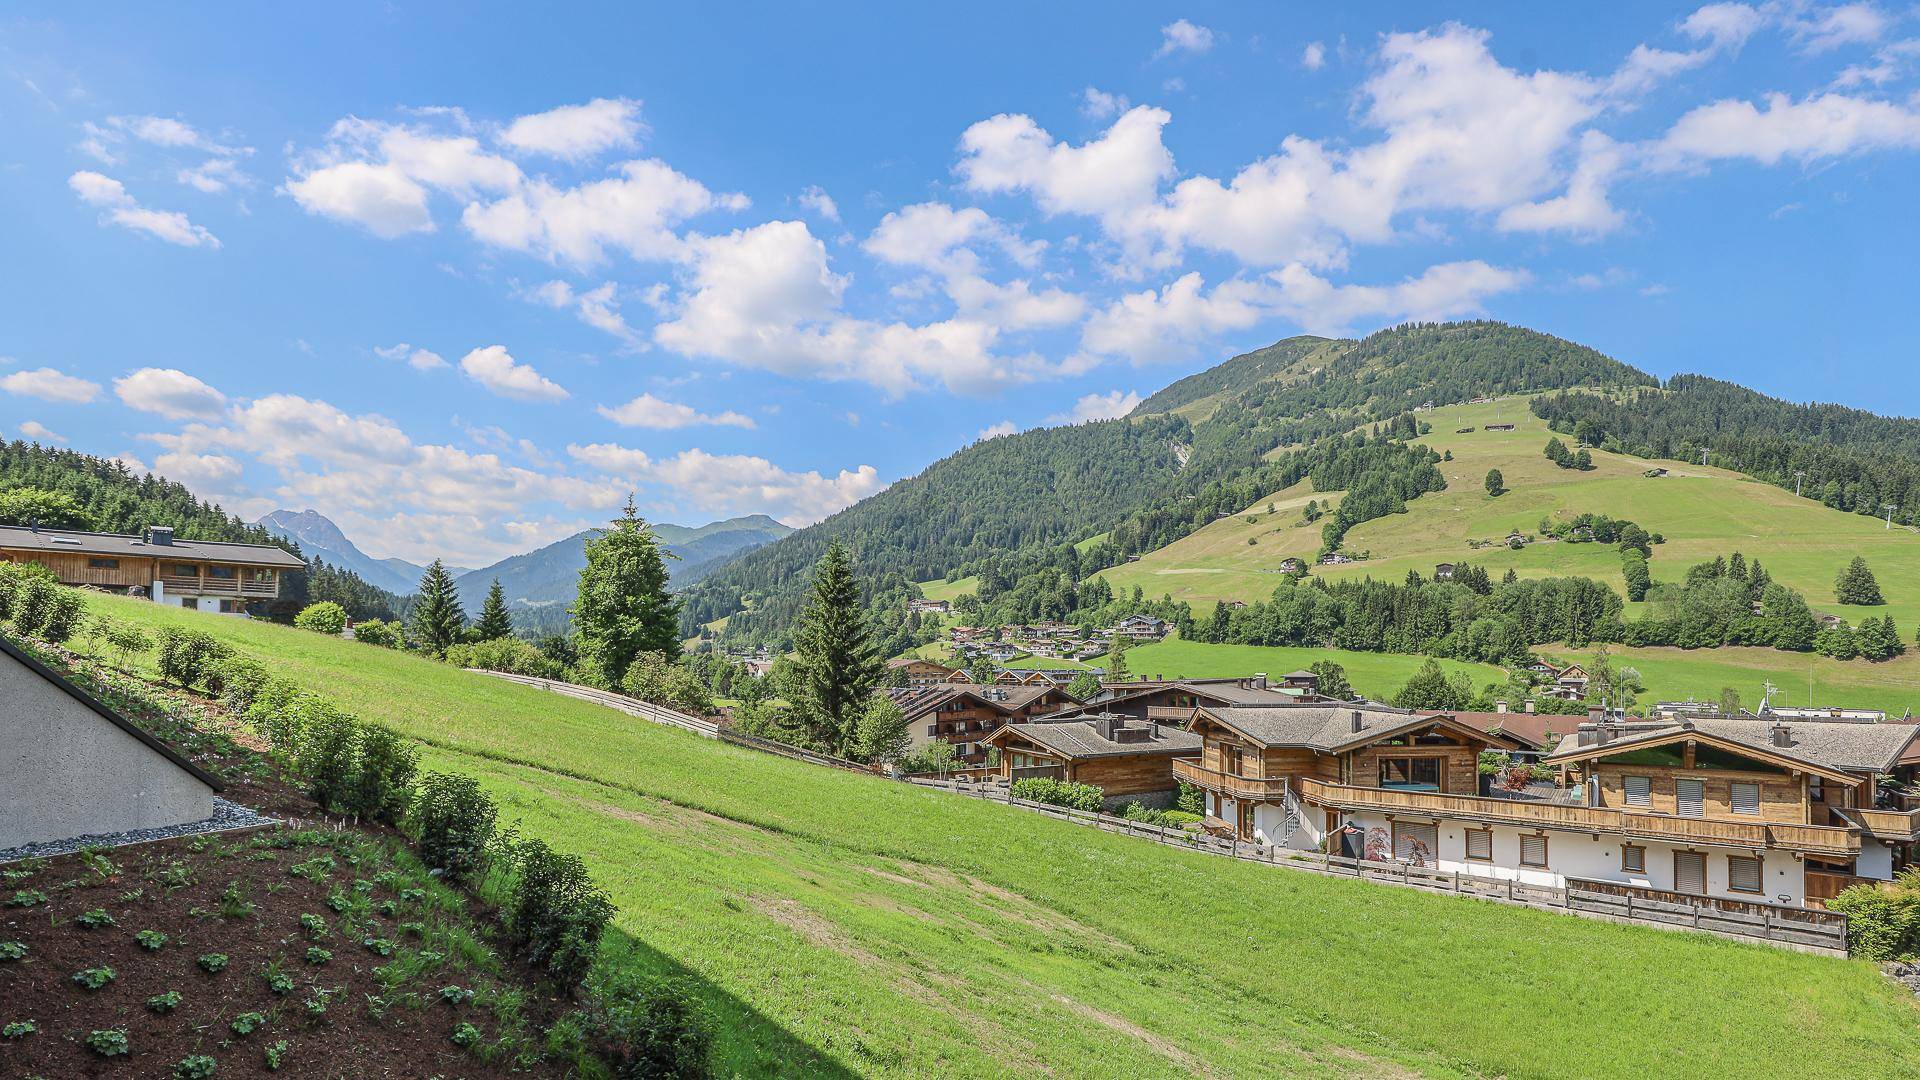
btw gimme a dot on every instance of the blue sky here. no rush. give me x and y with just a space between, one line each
462 277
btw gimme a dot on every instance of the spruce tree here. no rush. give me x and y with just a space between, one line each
494 621
1856 585
438 617
837 666
624 607
1495 482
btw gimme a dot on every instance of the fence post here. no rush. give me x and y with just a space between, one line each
1629 906
1456 881
1510 888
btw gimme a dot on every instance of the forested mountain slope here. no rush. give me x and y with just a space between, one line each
1010 508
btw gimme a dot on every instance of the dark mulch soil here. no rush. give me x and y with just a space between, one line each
375 1024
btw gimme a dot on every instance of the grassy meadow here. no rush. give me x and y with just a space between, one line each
846 925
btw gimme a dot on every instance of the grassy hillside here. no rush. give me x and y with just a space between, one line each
1375 675
845 925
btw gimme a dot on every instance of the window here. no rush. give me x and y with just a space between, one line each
1817 788
1415 843
222 572
1639 790
1690 872
1743 874
1746 797
103 564
1633 858
1419 774
181 569
1691 796
260 575
1533 851
1480 845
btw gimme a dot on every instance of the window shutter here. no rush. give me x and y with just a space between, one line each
1633 858
1743 875
1746 797
1480 844
1416 843
1692 796
1639 790
1533 851
1690 872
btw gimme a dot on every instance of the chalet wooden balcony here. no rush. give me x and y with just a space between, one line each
1686 830
1230 784
1887 824
1170 714
205 584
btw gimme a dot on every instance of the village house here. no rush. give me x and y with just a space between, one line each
929 607
965 714
1731 810
1128 759
1140 628
1336 558
1443 572
922 673
200 575
1291 565
1499 427
1569 683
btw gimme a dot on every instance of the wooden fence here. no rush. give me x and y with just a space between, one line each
1801 929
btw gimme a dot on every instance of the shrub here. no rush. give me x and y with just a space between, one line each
325 617
93 978
110 1042
507 654
554 911
383 781
651 1029
453 822
242 679
386 635
1883 923
654 679
164 1003
329 749
194 1067
187 657
64 613
1059 793
466 1035
32 600
1190 800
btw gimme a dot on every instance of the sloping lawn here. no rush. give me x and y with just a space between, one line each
845 924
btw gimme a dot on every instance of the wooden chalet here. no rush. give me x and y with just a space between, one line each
1127 758
200 575
965 714
922 673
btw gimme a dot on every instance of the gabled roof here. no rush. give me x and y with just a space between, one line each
1008 698
1530 728
1330 728
1833 749
107 714
21 538
1080 737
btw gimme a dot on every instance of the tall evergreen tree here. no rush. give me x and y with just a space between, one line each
1495 482
494 621
837 666
1856 585
438 617
624 607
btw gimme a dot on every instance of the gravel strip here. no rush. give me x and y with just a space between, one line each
226 816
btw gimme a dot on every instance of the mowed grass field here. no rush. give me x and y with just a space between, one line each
1375 675
846 925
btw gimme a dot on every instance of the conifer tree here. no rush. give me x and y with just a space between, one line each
1117 659
438 617
1495 482
1856 585
837 666
494 621
623 607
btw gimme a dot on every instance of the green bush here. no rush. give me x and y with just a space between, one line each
1883 922
13 581
242 679
109 1042
32 601
325 617
655 679
386 635
511 655
651 1029
64 614
329 757
1059 793
187 658
383 775
554 911
194 1067
452 820
1190 800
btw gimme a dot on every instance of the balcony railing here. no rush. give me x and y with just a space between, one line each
1170 714
205 584
1754 834
1230 784
1887 824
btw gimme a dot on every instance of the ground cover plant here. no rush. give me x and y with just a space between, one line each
837 924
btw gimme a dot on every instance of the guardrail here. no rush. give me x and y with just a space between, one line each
1800 929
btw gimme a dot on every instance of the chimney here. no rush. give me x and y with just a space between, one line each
1529 705
1500 705
1259 680
1782 735
1359 722
160 535
1596 714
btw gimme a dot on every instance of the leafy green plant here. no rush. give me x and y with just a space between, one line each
19 1029
414 929
189 658
93 978
151 940
317 955
554 911
338 901
212 963
280 983
27 898
455 995
316 1006
93 919
466 1035
315 926
315 869
277 1055
453 820
325 617
108 1042
234 903
194 1067
1045 789
12 950
388 908
648 1028
248 1022
378 946
164 1003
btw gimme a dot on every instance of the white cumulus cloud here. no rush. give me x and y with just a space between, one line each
171 393
647 411
494 368
119 208
575 132
50 385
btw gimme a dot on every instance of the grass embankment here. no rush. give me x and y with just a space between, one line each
845 924
1375 675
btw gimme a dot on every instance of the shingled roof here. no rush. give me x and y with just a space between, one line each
1845 746
1326 728
1086 737
1003 697
72 542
